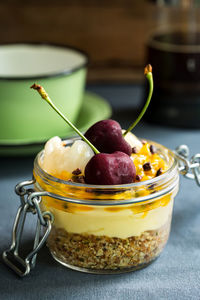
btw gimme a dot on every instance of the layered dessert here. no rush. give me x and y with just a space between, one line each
106 237
111 205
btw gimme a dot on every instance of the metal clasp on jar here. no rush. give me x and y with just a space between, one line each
188 168
29 204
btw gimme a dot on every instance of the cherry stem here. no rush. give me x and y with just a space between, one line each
149 76
45 96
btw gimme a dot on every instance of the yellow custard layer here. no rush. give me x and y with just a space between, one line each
121 222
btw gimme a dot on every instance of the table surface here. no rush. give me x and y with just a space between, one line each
175 275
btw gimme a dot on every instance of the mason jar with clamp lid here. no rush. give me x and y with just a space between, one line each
100 229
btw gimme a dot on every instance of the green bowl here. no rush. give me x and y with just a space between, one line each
23 113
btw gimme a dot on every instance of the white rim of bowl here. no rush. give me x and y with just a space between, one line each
63 50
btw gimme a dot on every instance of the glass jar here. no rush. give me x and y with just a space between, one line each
108 229
99 229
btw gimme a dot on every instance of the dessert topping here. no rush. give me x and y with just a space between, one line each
138 177
61 161
147 166
134 150
104 168
106 136
109 169
133 140
78 179
77 172
115 166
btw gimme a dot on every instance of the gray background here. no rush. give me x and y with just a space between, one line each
175 275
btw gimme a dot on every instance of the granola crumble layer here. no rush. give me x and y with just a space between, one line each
107 253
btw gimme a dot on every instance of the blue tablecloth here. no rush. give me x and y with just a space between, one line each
175 275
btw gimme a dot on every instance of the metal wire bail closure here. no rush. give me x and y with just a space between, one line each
29 204
188 168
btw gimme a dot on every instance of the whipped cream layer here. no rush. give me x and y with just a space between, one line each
120 223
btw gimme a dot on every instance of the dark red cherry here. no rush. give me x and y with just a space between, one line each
109 169
106 136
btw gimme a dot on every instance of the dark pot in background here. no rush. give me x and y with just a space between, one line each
175 58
